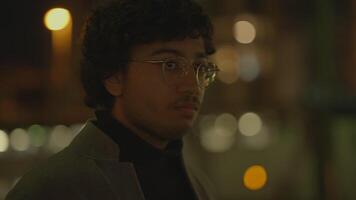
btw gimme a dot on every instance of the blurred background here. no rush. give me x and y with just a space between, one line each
279 123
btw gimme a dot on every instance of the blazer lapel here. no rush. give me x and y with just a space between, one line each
94 144
194 183
91 142
122 179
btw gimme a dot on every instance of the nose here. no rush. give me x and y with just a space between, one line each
190 76
189 83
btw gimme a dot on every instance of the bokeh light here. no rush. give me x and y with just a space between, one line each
61 136
207 122
227 122
37 135
227 59
249 67
244 32
19 140
57 19
255 177
4 141
216 140
216 134
250 124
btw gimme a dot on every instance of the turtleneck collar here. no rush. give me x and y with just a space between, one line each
133 148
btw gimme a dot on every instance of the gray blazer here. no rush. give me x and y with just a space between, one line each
88 169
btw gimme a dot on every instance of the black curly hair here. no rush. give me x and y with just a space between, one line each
112 31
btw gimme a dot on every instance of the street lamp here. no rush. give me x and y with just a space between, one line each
57 19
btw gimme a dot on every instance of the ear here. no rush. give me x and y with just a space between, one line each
114 84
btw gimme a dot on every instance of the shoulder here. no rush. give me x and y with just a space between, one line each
73 171
60 174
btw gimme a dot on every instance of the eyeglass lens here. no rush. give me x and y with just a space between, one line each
175 69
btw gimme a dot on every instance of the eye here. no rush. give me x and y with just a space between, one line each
209 70
172 65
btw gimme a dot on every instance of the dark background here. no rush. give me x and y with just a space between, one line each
304 94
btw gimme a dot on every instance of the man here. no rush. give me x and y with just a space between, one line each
145 69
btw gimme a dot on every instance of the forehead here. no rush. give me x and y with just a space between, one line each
189 48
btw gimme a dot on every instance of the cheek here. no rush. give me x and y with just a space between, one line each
147 93
152 99
159 101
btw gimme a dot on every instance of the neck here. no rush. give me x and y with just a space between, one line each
145 135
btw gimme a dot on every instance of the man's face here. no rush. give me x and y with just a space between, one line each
151 103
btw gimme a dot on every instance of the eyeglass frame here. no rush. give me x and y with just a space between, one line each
163 63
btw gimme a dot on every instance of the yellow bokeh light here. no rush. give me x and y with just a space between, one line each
255 177
57 19
244 31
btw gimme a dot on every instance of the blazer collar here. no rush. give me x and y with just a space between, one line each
94 143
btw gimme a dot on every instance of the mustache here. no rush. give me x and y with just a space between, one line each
189 99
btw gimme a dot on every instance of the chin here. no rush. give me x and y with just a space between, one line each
184 126
177 131
185 122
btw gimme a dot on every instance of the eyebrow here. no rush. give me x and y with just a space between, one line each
176 52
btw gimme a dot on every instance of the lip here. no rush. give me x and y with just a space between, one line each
189 106
188 110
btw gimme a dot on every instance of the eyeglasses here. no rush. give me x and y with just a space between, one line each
174 69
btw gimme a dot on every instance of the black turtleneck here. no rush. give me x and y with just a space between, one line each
160 172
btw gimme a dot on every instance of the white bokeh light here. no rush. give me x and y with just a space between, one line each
61 136
19 140
216 140
250 124
244 32
227 122
206 123
4 141
217 134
